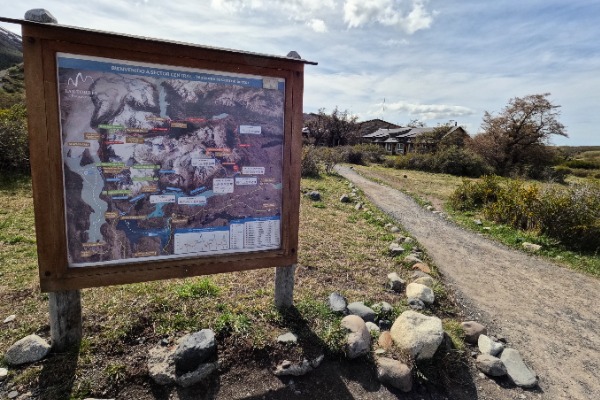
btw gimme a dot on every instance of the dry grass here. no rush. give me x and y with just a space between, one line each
341 249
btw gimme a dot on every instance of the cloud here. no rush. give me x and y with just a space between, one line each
317 25
411 16
424 111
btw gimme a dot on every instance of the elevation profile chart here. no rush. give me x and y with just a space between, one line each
168 162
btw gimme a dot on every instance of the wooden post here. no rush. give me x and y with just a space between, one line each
65 320
284 286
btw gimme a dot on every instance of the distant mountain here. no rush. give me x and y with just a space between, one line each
11 49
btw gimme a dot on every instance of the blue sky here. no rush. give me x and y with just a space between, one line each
432 60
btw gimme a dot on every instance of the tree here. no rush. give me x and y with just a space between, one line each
515 140
336 129
14 144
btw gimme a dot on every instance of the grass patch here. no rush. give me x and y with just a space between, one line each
436 189
341 249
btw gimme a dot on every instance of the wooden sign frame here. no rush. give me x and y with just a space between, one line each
41 43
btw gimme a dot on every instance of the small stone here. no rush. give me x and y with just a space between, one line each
416 304
412 259
40 15
345 198
394 229
394 373
487 228
425 280
399 239
13 394
409 240
419 274
396 283
193 350
358 206
3 374
337 303
477 222
516 369
10 318
383 308
385 340
430 208
421 292
472 330
30 349
531 247
395 249
287 338
385 324
422 267
199 374
490 365
359 308
379 352
358 340
164 342
314 195
487 346
372 327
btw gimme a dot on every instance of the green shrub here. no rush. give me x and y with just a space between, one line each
14 144
329 157
569 215
457 161
516 204
472 195
362 154
582 164
309 165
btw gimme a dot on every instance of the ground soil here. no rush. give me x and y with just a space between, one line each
549 313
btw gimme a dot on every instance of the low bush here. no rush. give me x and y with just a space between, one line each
472 195
581 164
14 144
569 215
309 165
451 160
362 154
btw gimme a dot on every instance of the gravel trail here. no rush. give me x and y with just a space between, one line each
549 313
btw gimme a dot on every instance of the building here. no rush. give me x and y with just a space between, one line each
406 140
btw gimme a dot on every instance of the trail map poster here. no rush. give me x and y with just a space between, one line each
168 162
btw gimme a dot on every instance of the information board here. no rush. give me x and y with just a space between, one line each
164 162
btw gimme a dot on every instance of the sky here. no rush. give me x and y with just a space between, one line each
398 60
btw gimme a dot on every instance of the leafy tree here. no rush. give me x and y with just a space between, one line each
336 129
416 123
515 140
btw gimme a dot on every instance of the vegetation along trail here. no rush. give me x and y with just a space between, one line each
549 313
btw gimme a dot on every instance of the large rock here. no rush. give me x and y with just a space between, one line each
359 308
193 350
394 373
488 346
337 303
490 365
517 370
30 349
421 292
472 330
417 334
358 340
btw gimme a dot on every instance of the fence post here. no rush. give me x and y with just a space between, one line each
284 286
65 319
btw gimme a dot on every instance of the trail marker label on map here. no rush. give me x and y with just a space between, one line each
165 160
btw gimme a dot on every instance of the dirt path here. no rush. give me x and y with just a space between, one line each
549 313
